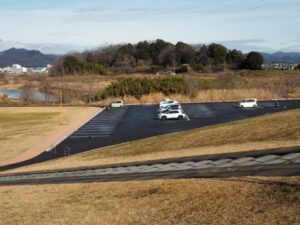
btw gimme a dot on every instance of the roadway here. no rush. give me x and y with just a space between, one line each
138 121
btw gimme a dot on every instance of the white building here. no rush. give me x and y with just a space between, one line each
279 66
39 70
14 69
18 69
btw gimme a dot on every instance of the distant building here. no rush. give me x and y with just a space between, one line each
14 69
18 69
184 68
39 70
279 66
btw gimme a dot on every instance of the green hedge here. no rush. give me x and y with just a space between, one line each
141 86
137 87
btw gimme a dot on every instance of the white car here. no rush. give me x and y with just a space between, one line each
174 114
167 103
164 100
170 108
248 103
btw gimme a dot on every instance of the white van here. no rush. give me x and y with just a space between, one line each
248 103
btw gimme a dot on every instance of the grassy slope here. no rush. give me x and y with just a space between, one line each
268 131
22 128
203 201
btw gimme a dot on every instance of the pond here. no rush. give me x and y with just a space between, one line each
30 95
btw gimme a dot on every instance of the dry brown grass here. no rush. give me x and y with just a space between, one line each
4 99
264 132
23 127
260 84
246 201
213 95
263 85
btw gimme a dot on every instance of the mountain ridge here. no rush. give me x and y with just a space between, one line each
24 57
286 57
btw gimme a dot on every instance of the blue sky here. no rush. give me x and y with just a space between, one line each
60 26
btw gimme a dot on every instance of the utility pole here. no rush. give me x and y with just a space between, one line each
62 120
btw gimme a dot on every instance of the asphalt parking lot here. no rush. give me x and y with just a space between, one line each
138 121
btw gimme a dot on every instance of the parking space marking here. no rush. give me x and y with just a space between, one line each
102 125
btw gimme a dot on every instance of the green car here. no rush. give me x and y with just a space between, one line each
116 104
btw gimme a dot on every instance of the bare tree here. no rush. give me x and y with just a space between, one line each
168 57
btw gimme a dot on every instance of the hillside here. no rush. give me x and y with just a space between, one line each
27 58
288 57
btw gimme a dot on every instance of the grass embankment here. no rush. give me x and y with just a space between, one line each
264 132
22 128
243 201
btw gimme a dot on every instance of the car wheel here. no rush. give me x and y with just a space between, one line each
164 118
180 117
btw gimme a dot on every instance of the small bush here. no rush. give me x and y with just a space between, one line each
199 68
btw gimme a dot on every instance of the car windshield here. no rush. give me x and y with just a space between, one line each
248 100
118 102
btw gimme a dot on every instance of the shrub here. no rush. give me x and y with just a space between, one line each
230 82
141 86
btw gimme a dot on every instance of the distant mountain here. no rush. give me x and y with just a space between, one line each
27 58
287 57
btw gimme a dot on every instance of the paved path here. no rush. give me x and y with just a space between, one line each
53 139
281 163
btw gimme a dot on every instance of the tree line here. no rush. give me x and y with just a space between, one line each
155 56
